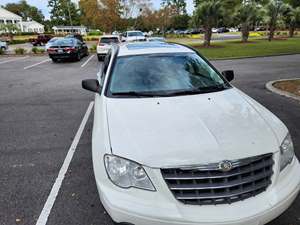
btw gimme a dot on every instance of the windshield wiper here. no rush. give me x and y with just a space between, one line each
199 90
133 93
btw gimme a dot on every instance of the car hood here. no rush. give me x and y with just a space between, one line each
188 130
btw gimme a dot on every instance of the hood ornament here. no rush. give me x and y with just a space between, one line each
225 166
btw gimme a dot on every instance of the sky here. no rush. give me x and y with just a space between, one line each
42 4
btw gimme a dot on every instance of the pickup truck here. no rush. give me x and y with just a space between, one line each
40 40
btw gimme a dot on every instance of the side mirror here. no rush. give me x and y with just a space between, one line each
91 85
228 74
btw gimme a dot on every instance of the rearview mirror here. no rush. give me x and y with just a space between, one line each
228 74
91 85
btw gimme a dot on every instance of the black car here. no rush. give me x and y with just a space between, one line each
77 36
222 30
67 48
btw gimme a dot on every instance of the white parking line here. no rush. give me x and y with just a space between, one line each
13 60
36 64
42 220
87 61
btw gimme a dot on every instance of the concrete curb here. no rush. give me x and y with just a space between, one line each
273 89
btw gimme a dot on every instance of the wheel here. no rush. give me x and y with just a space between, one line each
78 56
54 60
100 58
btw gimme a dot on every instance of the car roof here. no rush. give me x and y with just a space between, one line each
130 31
109 36
142 48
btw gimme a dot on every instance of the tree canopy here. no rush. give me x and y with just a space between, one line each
26 11
64 12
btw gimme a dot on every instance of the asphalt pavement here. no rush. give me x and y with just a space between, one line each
42 106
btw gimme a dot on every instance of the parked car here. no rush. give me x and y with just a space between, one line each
3 45
233 29
156 39
222 30
104 44
41 39
260 29
77 36
50 42
131 36
214 30
67 48
175 143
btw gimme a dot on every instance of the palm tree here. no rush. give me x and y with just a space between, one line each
246 15
207 14
274 10
292 19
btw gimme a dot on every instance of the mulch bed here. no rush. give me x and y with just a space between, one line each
292 86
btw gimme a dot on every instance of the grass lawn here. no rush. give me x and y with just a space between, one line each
257 47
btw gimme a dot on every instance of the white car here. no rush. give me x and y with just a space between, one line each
175 143
104 44
233 29
133 36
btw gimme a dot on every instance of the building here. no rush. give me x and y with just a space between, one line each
70 29
7 17
33 26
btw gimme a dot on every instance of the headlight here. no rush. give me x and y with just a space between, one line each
125 173
286 152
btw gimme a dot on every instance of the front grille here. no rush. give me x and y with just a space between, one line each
208 185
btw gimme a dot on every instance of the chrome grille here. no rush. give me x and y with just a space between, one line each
208 185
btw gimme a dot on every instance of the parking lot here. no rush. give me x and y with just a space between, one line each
43 113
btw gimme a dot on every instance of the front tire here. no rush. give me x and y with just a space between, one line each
54 60
100 58
78 56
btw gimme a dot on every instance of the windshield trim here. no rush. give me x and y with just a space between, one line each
108 94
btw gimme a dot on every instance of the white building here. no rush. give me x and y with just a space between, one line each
7 17
33 26
70 29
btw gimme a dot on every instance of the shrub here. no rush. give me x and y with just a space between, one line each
41 50
95 33
20 51
93 48
35 50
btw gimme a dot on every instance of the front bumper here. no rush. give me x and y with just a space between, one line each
142 207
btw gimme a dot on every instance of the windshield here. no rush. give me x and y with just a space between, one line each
64 42
135 33
164 75
109 40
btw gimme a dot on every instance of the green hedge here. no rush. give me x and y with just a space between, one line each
91 33
20 51
36 50
13 42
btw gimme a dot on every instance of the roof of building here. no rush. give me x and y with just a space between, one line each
5 14
69 27
31 23
140 48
